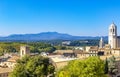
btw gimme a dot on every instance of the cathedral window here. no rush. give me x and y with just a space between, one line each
113 30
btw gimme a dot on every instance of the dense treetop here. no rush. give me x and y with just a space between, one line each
35 66
91 67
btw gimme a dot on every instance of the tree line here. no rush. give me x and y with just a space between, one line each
35 47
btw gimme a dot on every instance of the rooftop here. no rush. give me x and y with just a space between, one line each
5 70
60 58
63 51
13 59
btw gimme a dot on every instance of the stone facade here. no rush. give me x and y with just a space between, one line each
24 50
4 72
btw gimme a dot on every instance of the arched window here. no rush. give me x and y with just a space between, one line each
22 52
113 30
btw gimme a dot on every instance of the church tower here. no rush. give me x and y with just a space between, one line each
112 37
101 43
24 50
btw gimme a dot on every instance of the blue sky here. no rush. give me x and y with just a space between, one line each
75 17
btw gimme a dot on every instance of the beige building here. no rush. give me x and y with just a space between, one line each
10 63
107 49
60 61
24 50
83 55
7 66
87 48
116 52
92 50
4 72
63 51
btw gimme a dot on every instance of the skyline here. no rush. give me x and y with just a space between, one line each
79 17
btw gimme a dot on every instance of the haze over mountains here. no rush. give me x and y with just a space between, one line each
47 36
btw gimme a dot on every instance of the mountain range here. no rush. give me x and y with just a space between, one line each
47 36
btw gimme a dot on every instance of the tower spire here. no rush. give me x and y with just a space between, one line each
101 43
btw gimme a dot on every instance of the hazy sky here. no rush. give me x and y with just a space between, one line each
75 17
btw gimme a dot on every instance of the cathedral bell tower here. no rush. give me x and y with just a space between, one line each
112 37
101 43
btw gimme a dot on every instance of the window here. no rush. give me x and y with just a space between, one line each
22 52
113 30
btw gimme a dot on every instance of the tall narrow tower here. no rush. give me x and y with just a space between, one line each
24 50
112 37
101 43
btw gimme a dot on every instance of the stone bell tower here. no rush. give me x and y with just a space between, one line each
112 37
24 50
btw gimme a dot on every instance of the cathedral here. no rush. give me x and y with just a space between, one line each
113 46
113 39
